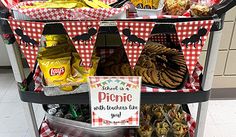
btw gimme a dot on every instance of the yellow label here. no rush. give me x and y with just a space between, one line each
55 71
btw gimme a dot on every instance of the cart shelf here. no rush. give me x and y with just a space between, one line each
146 98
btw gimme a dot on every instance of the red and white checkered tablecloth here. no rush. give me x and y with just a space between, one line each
68 14
31 31
187 30
137 29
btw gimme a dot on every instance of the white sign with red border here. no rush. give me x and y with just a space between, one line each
115 101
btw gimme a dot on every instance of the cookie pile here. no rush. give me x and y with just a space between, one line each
158 65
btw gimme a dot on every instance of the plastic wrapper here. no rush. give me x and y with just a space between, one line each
79 71
176 7
55 71
200 10
53 40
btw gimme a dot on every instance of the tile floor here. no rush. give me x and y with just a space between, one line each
220 122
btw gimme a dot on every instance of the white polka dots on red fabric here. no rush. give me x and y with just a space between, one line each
141 30
84 48
186 30
28 28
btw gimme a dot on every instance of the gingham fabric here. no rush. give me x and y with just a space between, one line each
84 47
46 131
186 30
32 30
161 38
97 121
9 3
141 30
68 14
103 53
38 79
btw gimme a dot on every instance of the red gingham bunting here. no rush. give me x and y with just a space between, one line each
138 32
9 3
83 35
192 36
28 35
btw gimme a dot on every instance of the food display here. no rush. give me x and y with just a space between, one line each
146 4
158 65
70 4
176 7
199 10
61 64
164 126
74 111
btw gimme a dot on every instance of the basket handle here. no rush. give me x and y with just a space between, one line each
223 7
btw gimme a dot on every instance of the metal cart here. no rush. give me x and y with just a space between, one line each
201 97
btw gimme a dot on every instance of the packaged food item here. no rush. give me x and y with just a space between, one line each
147 4
180 129
155 4
176 7
162 129
200 10
55 71
137 3
145 131
53 40
55 4
79 71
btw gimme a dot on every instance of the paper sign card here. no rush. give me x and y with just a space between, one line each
115 101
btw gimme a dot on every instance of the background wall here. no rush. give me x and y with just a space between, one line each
225 74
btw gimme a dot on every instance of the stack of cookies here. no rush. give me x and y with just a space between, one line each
158 65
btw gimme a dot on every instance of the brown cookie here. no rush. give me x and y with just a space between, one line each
148 77
174 84
113 72
141 73
179 72
118 70
124 70
174 77
163 82
154 75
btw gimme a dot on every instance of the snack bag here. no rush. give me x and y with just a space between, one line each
54 56
55 71
79 71
53 40
137 3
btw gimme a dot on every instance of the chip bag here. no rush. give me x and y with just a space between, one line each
79 71
53 40
55 71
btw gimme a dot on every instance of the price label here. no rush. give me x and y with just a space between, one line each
115 101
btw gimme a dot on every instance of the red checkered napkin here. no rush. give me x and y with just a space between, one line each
140 30
31 31
186 30
68 14
84 45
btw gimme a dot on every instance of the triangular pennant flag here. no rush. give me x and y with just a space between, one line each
83 35
134 36
192 36
28 35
